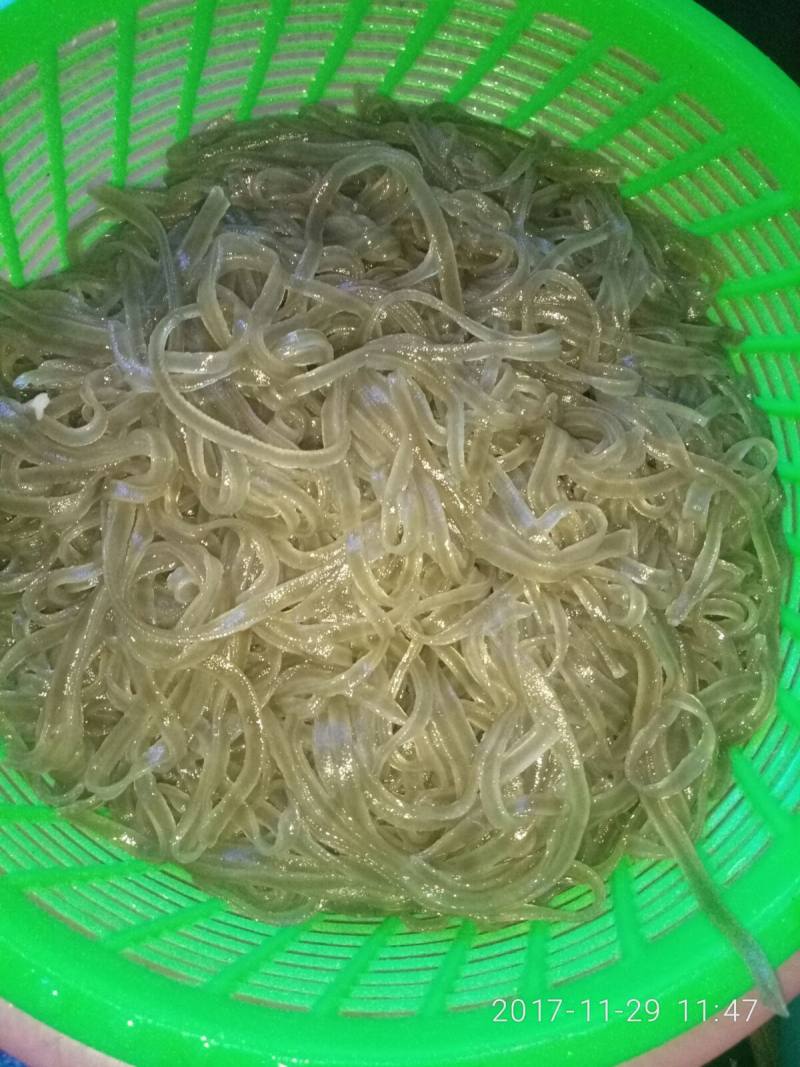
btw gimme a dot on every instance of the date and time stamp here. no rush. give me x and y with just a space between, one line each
515 1010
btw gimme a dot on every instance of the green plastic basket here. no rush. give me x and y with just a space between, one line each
132 958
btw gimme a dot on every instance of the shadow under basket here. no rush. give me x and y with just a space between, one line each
132 958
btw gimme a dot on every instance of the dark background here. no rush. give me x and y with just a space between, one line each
772 25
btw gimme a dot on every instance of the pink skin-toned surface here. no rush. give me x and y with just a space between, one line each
39 1046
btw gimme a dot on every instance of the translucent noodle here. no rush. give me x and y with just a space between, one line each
382 525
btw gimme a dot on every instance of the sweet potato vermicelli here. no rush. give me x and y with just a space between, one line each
382 524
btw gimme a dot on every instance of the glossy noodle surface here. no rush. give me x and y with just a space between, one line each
382 525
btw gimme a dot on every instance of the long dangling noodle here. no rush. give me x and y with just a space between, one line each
382 525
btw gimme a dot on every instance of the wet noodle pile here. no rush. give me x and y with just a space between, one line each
381 524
